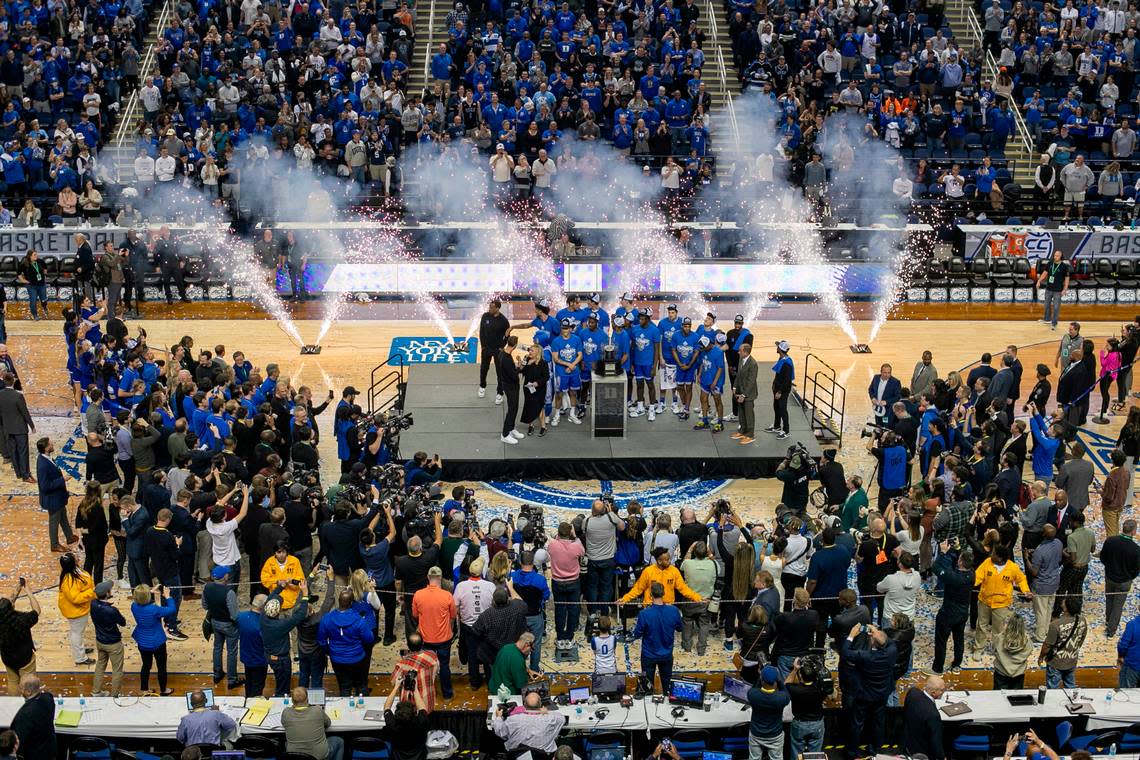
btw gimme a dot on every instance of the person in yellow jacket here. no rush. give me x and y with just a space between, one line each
76 592
995 580
283 571
663 572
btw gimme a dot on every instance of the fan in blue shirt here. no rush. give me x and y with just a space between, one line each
708 327
593 338
566 350
714 368
686 354
542 319
645 342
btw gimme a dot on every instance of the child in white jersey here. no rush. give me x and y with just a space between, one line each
604 645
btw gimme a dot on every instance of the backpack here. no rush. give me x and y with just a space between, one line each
102 272
1023 495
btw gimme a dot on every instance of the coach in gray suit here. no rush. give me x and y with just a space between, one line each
17 423
745 392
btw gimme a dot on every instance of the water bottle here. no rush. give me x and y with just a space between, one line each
285 701
59 703
82 702
503 693
1112 750
1108 699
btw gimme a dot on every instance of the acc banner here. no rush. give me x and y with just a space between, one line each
1103 242
433 351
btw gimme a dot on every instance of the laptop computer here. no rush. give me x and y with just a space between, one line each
736 689
317 697
955 708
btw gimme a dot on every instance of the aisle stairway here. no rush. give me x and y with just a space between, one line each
722 81
962 18
430 30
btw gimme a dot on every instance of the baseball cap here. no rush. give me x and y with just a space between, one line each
219 572
704 342
499 147
272 607
618 320
783 346
645 312
739 319
769 674
351 391
103 588
567 322
671 307
434 572
720 337
626 296
542 303
541 337
595 298
592 318
686 321
710 314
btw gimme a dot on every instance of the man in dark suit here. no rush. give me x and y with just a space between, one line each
922 724
1060 515
744 390
17 423
53 494
34 722
1015 366
884 391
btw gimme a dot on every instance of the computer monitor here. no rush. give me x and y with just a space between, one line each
608 686
734 688
317 697
209 698
707 755
683 692
579 694
228 754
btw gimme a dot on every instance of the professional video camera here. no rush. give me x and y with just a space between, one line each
721 507
420 508
531 525
799 458
873 430
397 420
307 477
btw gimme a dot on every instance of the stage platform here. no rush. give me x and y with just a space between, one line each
452 421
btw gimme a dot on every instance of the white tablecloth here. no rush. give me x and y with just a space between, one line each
158 717
993 707
585 717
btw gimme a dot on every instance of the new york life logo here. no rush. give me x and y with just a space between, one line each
433 351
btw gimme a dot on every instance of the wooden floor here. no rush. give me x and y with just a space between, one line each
957 334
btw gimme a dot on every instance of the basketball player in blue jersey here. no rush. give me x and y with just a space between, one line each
594 308
542 338
708 327
566 350
625 309
686 356
645 348
542 319
669 326
593 338
714 370
620 339
573 310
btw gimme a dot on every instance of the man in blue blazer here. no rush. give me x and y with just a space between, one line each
53 495
884 391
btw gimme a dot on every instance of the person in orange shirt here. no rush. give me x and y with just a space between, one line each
433 609
283 572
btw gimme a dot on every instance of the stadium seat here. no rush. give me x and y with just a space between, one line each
258 747
89 748
8 266
370 748
1095 743
973 739
1064 733
691 743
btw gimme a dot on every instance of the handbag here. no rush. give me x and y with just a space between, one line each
207 628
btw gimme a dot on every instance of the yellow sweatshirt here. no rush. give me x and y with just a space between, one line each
995 590
271 572
76 595
670 578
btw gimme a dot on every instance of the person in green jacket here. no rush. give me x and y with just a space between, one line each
509 668
854 514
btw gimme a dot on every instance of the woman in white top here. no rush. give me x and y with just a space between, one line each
796 556
906 524
772 560
662 535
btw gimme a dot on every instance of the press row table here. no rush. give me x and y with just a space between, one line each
1123 709
158 717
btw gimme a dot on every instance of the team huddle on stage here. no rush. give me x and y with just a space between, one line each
662 360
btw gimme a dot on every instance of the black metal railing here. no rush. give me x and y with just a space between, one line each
824 400
387 385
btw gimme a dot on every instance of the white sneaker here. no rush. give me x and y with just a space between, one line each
575 418
508 439
660 407
652 413
730 418
676 409
554 419
517 434
498 398
637 411
482 392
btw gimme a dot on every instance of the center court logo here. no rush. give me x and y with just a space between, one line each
662 494
433 351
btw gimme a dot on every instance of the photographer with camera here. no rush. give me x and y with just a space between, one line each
599 536
795 472
832 480
808 688
877 553
421 471
340 536
532 588
894 466
412 568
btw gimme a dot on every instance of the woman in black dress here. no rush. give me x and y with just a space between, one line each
94 524
535 374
